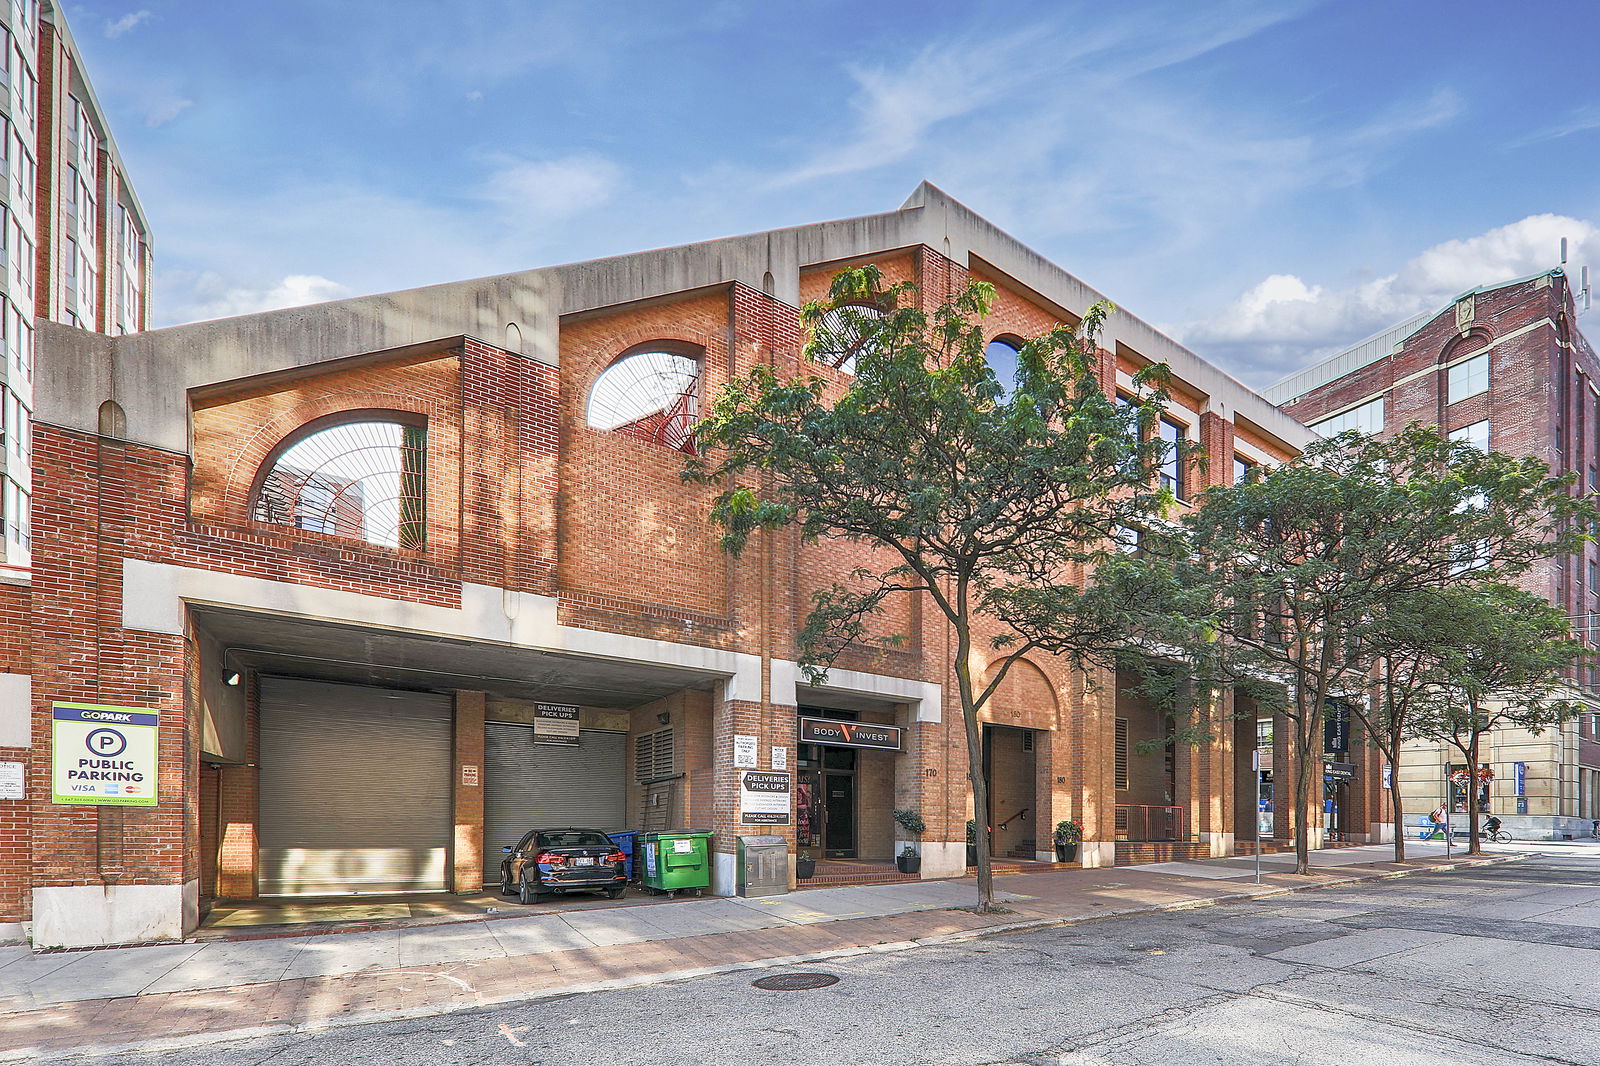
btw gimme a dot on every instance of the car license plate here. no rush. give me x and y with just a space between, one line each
583 860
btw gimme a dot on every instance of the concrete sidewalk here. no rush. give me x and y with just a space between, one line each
169 995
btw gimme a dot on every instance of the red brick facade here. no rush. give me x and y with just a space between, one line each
523 495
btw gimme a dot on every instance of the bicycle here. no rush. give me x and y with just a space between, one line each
1499 836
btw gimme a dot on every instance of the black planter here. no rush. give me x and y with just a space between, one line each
908 864
805 869
1066 852
972 854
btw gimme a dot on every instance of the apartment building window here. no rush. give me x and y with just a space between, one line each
1469 377
1365 418
1594 576
1241 470
1175 437
1476 435
70 254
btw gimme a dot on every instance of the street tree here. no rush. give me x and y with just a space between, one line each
1286 571
1501 659
997 502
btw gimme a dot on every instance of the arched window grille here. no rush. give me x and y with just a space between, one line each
651 396
846 332
364 480
1001 355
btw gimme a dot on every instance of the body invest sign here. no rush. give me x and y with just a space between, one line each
849 734
103 755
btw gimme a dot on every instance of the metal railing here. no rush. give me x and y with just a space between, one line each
1141 822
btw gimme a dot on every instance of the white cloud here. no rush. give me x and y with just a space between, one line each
1285 322
163 110
529 191
212 297
118 27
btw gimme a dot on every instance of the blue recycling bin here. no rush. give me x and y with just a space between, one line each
625 843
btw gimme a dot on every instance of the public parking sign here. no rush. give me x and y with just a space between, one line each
104 755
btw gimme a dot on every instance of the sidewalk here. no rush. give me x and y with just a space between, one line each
171 995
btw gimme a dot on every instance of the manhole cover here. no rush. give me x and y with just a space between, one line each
796 982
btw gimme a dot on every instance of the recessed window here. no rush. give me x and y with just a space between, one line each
1476 435
1366 417
651 396
1241 470
845 333
1469 377
1174 436
1001 355
361 480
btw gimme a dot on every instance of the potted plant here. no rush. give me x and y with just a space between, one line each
1068 835
909 861
805 866
972 842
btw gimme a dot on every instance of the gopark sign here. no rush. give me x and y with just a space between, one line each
103 755
849 734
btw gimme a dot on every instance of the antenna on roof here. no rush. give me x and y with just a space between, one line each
1563 251
1584 290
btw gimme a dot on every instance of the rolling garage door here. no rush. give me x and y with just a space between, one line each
531 786
355 789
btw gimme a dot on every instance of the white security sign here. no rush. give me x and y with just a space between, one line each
763 798
104 755
744 751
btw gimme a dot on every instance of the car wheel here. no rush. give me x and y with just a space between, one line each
506 887
616 893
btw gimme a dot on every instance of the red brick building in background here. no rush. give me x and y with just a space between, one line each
360 557
1505 367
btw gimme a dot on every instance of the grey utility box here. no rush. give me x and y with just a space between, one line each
763 866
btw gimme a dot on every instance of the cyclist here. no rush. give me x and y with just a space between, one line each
1491 827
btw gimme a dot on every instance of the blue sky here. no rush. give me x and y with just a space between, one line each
1266 181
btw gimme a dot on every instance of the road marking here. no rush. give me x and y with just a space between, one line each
511 1034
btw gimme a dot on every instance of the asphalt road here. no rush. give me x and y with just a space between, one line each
1498 965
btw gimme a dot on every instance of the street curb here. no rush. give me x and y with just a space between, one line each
36 1054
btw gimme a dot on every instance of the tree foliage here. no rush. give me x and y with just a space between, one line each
998 507
1287 574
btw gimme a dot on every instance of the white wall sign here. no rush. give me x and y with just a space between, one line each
763 798
103 755
780 758
11 785
744 751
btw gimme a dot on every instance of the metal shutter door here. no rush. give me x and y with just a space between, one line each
355 789
533 786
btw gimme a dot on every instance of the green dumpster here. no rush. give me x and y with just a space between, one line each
677 860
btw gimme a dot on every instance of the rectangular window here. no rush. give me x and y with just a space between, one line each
1594 576
1263 734
1366 418
1476 435
1120 769
1174 437
652 755
1241 470
1469 377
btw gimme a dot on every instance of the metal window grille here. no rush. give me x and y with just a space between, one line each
652 755
650 396
362 480
845 333
1121 767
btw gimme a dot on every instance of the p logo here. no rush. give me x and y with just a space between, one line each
106 743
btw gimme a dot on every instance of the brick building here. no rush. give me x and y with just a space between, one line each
360 559
1505 367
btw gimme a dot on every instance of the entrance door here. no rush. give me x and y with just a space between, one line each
839 820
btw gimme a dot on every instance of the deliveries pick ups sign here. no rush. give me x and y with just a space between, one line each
103 755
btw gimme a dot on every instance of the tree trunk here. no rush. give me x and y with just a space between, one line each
1399 814
980 787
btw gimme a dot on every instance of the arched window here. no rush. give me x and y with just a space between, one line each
847 331
651 396
358 479
1001 355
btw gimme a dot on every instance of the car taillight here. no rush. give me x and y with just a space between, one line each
548 859
616 856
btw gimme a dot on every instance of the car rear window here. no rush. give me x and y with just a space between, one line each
577 838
